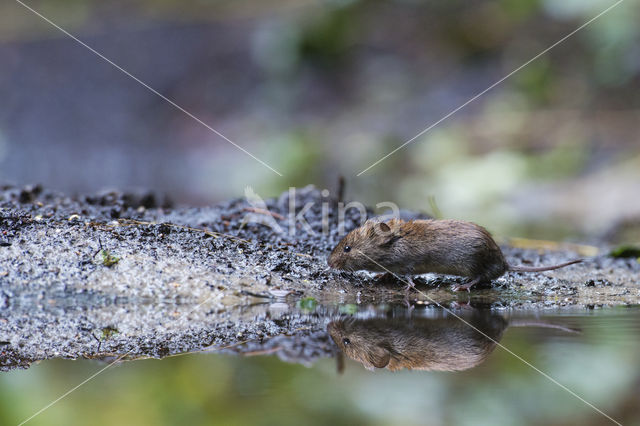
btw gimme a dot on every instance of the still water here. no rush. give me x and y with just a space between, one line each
349 364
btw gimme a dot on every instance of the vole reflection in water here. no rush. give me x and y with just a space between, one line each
441 344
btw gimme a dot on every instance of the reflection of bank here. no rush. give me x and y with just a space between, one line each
439 344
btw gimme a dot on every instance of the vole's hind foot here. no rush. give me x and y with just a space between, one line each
385 278
461 305
410 285
462 287
467 286
410 306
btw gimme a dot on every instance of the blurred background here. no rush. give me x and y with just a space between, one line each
319 89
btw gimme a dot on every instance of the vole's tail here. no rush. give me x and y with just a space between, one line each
542 268
533 323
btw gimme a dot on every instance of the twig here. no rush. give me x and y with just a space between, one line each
341 188
435 210
264 211
260 296
525 243
99 248
261 352
99 342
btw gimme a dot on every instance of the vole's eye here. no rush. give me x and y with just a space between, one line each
347 249
346 341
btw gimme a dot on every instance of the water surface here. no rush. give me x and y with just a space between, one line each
304 377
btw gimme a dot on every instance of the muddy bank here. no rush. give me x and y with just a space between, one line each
114 274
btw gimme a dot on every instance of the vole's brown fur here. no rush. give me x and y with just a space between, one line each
445 344
420 344
415 247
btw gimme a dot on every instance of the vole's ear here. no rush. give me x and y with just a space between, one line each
378 356
378 229
387 236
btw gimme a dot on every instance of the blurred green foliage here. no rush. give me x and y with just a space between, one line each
307 304
625 251
326 40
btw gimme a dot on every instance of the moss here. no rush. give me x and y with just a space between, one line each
349 309
625 251
109 332
108 259
307 304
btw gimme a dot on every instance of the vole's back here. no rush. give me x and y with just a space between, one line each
445 344
450 247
